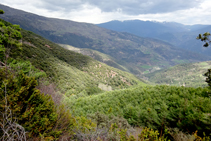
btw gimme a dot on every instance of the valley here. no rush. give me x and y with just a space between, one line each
136 54
66 80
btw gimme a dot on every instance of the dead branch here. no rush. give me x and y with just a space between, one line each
2 64
9 126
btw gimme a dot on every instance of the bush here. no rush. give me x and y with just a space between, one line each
156 107
34 111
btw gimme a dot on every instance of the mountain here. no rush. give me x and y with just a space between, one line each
187 40
150 29
51 116
182 36
189 75
96 55
137 55
73 73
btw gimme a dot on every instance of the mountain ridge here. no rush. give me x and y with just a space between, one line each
73 73
136 54
179 35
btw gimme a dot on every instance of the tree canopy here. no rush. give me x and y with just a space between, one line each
204 38
1 11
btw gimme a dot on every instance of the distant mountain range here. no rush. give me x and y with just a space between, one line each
134 54
149 28
182 36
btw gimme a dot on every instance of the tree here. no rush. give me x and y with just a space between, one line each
205 38
1 11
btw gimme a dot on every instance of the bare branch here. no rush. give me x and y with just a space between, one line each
9 126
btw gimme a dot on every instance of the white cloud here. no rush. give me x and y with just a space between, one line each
98 11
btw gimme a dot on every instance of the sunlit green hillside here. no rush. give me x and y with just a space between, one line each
97 56
152 106
190 75
73 72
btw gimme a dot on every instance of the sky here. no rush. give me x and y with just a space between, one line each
187 12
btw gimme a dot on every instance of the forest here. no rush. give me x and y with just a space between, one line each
50 93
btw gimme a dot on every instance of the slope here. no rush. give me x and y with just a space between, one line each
73 73
182 36
190 75
151 29
187 40
152 106
96 55
134 53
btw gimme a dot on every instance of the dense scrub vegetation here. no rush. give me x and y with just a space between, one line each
156 107
74 73
23 108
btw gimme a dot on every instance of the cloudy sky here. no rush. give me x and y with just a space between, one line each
99 11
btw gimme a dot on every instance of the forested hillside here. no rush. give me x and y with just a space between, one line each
36 75
157 107
72 72
97 56
189 75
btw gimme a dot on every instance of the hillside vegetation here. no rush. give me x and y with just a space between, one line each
189 75
31 108
26 113
74 73
135 54
96 55
158 107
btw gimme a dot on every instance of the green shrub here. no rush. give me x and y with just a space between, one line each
156 107
33 110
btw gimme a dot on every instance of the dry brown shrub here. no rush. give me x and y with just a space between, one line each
178 135
50 89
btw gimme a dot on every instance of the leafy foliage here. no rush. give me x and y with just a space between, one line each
9 38
204 38
35 112
1 11
26 67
